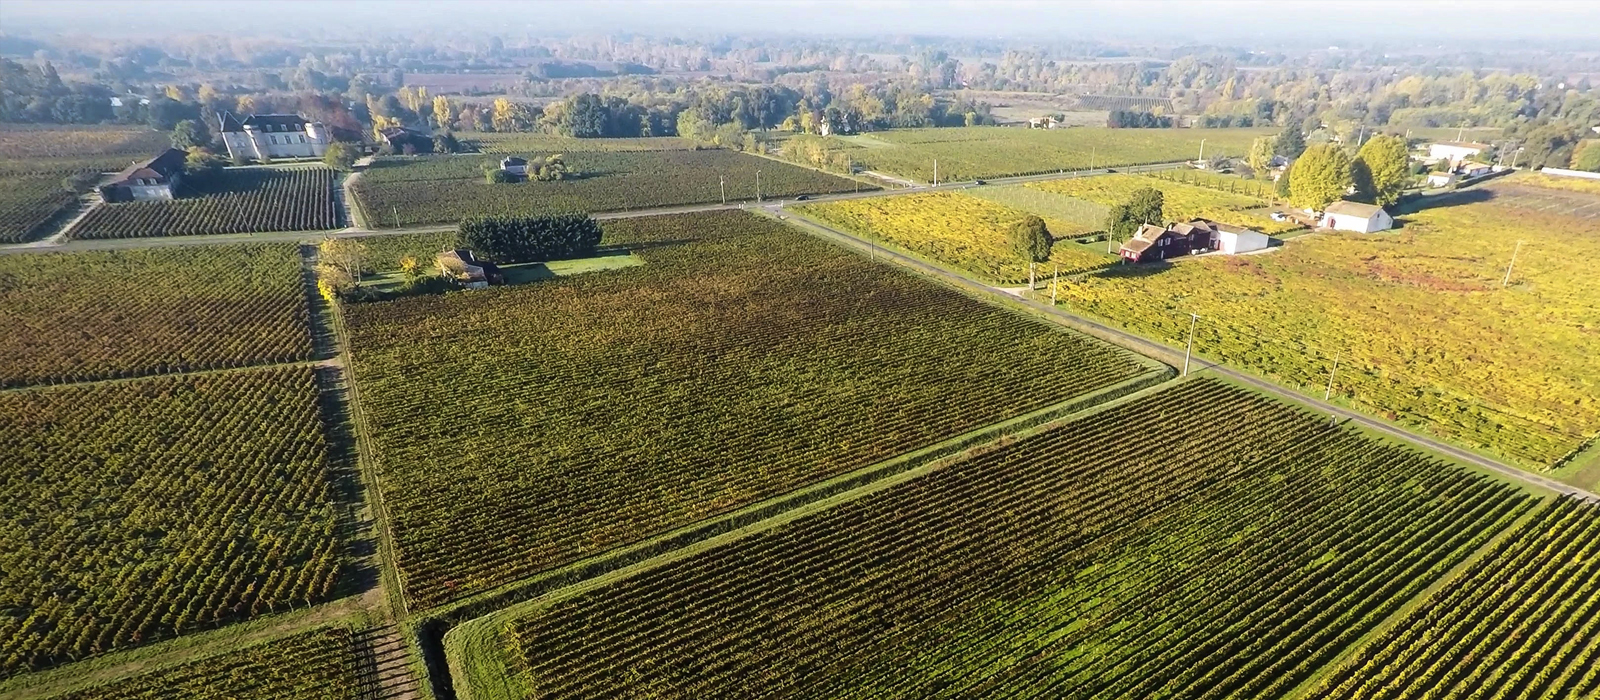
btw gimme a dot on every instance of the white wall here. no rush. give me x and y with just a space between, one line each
1571 173
1345 222
1236 243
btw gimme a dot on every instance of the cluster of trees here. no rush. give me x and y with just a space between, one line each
547 169
514 239
1131 119
1324 174
1143 207
1030 239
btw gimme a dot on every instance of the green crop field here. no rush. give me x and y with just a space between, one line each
408 191
36 160
101 315
952 228
541 144
1522 622
315 665
525 426
1182 201
988 151
1128 554
1425 330
1068 216
241 200
136 511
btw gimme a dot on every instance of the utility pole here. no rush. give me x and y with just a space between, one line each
1507 281
1202 150
1091 159
1055 283
723 185
1461 131
1190 350
1361 138
758 186
1329 391
935 172
396 211
1515 156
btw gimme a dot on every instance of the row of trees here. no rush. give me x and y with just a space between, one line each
1324 174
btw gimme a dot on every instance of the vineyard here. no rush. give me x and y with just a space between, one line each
315 665
1232 561
1068 216
101 315
136 511
1523 622
399 192
527 426
952 228
120 143
969 153
242 200
1569 184
524 143
35 161
1126 102
1182 201
1423 329
27 202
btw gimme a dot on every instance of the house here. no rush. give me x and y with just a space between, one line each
402 140
264 136
1354 216
1444 179
462 266
1043 123
513 165
1468 169
1454 151
156 178
1156 243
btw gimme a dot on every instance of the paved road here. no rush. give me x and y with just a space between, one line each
1164 353
353 232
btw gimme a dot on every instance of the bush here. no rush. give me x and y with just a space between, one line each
496 176
513 239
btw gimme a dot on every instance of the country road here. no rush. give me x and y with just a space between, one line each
353 213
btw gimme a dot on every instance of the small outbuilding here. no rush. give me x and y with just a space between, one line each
1355 216
152 179
464 267
1444 179
1455 151
514 165
1233 240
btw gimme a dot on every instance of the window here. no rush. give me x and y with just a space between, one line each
302 138
274 140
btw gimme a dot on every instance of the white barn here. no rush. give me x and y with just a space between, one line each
1233 240
1358 217
263 136
1454 151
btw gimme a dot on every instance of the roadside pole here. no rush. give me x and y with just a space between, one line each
1329 391
1507 281
723 185
1055 283
758 186
1193 318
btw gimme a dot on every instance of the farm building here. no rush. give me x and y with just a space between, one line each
1469 169
1455 151
1355 216
1444 179
462 266
515 166
1197 236
402 140
263 136
156 178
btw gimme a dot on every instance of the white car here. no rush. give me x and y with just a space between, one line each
1279 216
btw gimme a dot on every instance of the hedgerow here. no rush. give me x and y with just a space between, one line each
521 427
514 239
136 511
73 317
1129 554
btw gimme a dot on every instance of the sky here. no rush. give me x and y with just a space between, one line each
1194 21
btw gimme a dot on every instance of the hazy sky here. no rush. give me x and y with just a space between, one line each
1318 22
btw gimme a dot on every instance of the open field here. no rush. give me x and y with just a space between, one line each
102 315
953 228
1423 329
1068 216
529 143
1520 623
315 665
241 200
408 191
35 160
1182 202
526 426
140 510
986 151
1121 555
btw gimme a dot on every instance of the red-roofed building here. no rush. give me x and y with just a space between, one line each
156 178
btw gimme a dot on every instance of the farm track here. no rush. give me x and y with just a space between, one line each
383 665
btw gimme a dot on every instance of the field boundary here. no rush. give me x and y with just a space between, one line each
466 639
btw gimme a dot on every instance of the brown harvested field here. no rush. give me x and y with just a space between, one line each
1579 205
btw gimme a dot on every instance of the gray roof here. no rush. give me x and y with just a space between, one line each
1349 208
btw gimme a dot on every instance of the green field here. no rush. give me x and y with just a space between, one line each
1121 555
989 151
527 143
526 426
1424 330
408 191
1182 201
35 160
239 200
103 315
315 665
136 511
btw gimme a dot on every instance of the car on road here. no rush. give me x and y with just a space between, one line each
980 182
803 198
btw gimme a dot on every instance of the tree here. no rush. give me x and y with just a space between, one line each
1120 224
1588 156
443 113
1145 205
446 142
1290 142
340 156
190 133
1281 187
1382 169
343 258
1321 177
201 166
411 267
1261 153
1031 241
513 239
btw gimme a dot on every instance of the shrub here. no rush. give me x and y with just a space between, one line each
511 239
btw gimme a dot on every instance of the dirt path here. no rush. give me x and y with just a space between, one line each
384 666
